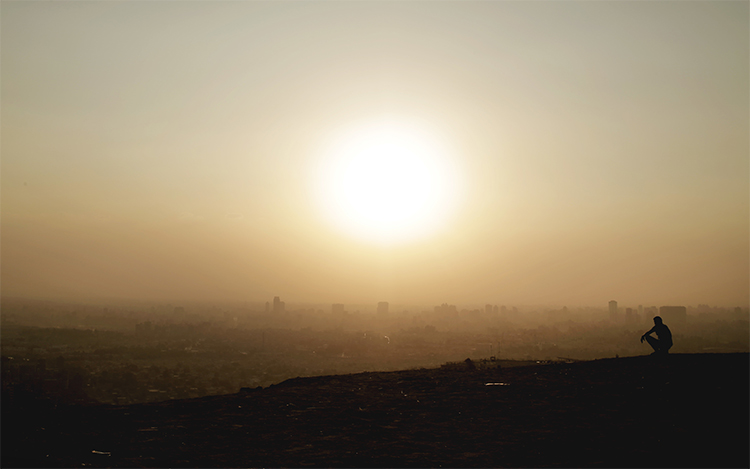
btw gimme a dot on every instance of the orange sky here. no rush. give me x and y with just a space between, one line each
171 150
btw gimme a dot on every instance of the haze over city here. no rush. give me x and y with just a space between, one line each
375 233
510 153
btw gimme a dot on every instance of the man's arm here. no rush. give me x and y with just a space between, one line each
647 333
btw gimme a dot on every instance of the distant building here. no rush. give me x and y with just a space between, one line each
278 305
383 307
446 310
268 307
337 309
487 309
613 310
673 314
144 328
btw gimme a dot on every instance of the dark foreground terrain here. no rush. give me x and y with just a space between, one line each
677 411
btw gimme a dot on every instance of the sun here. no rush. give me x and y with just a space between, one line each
387 182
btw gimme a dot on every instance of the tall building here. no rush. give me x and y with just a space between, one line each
613 310
383 307
487 309
673 314
446 310
337 309
278 305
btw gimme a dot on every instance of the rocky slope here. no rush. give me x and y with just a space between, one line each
677 411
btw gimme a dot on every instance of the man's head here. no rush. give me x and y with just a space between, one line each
657 320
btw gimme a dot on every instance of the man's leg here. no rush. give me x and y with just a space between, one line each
653 342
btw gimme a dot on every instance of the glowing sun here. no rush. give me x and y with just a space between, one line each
387 182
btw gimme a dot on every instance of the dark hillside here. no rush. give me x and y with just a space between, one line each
679 411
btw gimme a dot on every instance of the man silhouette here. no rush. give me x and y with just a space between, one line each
663 343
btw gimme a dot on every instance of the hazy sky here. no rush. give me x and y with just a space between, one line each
174 150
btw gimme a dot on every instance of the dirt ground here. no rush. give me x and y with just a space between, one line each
677 411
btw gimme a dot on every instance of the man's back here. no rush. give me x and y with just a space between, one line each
663 333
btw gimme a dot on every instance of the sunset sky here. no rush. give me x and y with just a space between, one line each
559 153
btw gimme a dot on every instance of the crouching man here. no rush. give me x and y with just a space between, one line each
663 341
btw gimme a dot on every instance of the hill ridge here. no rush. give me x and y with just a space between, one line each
678 411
